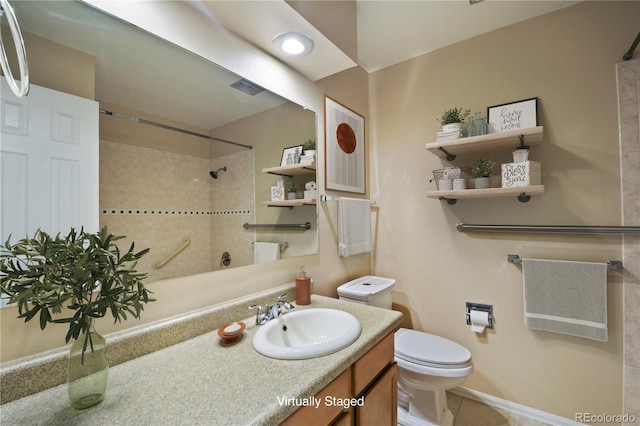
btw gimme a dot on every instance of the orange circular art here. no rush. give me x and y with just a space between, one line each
346 138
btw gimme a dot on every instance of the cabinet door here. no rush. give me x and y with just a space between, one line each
346 419
324 414
374 362
380 401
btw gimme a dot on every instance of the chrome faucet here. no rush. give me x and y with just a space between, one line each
271 311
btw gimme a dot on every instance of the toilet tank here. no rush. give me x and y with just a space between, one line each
369 290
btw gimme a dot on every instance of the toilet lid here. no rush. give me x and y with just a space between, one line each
428 349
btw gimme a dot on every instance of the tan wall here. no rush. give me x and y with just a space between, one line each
567 59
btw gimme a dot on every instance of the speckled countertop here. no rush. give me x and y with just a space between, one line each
201 382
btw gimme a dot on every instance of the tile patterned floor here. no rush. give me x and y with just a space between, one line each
467 412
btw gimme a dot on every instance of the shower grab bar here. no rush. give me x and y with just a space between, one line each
612 265
277 226
462 227
169 258
22 90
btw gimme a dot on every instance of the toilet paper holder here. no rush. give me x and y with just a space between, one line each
479 307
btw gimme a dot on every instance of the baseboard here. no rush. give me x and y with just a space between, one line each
513 407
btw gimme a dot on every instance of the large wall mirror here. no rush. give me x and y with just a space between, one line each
183 143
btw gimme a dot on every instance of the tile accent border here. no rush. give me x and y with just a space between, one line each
165 212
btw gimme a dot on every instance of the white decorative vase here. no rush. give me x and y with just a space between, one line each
483 182
451 127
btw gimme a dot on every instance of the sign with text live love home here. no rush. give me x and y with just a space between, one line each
513 116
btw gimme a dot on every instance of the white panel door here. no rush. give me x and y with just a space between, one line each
49 162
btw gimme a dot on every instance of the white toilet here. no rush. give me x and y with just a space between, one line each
428 365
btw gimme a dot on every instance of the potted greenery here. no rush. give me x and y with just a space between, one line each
291 189
73 280
452 118
309 151
309 145
481 171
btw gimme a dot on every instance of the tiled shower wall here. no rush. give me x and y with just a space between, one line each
629 106
159 199
232 201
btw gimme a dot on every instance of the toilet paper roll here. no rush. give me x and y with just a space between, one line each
479 321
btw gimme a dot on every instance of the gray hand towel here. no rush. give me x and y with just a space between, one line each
566 297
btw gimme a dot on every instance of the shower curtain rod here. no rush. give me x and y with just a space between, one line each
462 227
172 128
629 53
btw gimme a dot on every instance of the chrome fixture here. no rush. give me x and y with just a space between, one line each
271 311
215 174
22 90
225 260
294 44
612 265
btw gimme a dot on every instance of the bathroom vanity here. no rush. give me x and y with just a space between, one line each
202 381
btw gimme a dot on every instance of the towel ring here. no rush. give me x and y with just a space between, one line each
22 90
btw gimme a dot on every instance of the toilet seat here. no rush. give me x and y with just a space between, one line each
429 350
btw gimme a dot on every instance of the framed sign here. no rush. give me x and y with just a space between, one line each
512 116
344 148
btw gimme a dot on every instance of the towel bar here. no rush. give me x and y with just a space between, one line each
612 265
462 227
325 198
306 225
283 246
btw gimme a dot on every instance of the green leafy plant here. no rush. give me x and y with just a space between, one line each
482 168
291 186
454 115
310 144
83 272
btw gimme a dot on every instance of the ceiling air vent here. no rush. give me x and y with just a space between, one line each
247 87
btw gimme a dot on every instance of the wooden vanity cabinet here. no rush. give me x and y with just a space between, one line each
374 377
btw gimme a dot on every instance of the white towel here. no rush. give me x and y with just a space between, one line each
566 297
265 252
354 226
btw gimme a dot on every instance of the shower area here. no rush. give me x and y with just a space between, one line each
188 209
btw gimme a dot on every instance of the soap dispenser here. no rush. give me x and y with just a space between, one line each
303 288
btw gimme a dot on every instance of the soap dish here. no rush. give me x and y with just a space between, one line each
231 332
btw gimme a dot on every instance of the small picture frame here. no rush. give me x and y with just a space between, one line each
513 116
291 150
277 193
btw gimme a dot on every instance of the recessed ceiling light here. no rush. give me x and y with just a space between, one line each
294 44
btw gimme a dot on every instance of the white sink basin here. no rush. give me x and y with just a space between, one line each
308 333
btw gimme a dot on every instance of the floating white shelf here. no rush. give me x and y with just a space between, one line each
522 191
292 170
291 203
491 142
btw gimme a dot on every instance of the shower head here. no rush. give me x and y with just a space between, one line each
215 174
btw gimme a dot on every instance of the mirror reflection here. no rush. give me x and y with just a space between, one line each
183 144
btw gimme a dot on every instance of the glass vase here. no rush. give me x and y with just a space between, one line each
88 370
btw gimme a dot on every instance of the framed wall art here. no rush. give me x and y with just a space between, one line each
290 155
344 148
512 116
